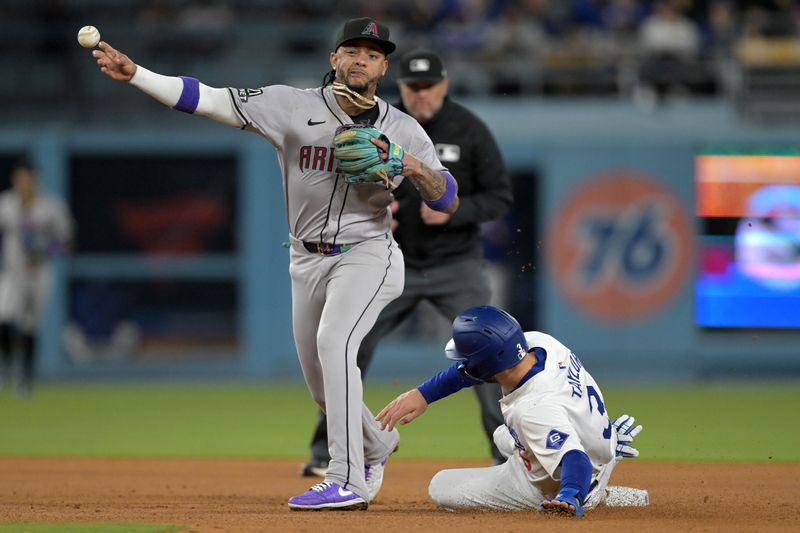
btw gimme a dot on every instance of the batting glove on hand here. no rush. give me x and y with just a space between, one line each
626 432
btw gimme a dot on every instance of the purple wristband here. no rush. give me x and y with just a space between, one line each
190 95
445 200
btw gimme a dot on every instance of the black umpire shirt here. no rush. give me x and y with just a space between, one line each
467 148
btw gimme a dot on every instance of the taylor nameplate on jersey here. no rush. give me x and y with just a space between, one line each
449 153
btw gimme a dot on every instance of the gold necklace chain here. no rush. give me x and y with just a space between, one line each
361 102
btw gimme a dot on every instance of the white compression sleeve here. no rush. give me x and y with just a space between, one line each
213 103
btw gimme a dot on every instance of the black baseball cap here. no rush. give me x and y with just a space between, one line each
365 28
421 65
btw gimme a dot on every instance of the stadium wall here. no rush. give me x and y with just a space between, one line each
579 150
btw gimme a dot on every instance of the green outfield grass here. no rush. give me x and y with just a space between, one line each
692 424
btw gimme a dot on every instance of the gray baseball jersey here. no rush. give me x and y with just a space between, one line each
335 299
30 236
300 124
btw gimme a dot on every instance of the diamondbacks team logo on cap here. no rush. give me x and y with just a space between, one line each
371 29
556 439
419 65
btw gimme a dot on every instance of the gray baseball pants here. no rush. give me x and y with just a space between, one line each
335 302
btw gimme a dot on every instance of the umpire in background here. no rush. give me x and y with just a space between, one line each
443 253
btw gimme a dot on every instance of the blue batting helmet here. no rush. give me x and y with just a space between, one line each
486 340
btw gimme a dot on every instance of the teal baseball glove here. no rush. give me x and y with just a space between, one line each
360 161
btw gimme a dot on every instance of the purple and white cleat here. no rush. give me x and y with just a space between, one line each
327 495
373 474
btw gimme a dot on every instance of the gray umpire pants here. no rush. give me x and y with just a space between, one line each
451 288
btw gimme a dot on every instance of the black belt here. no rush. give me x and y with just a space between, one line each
324 248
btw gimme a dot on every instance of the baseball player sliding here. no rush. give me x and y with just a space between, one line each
560 444
341 152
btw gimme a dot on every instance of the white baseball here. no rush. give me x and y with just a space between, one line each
88 36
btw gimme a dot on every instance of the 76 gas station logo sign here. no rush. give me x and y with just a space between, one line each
619 248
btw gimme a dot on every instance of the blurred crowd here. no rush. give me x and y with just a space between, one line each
493 47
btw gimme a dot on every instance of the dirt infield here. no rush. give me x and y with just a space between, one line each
250 495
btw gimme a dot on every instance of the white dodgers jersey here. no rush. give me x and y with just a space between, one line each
558 410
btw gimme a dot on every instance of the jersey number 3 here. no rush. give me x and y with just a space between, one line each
591 392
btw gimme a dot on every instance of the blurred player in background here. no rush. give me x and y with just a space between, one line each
560 443
34 228
443 252
345 265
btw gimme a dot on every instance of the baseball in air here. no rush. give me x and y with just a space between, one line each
88 36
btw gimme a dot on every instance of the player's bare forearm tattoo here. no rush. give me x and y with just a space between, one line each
439 190
430 183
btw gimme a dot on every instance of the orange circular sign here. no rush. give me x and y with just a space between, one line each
619 247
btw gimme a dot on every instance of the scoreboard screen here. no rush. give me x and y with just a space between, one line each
748 214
